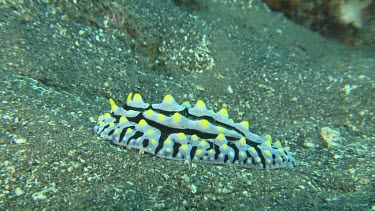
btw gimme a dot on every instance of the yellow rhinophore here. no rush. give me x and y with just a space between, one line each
113 104
137 97
129 99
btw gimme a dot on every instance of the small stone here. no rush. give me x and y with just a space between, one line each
309 145
230 90
39 196
331 137
193 189
19 191
19 140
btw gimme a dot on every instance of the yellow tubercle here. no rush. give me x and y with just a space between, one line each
168 98
268 137
176 117
220 129
245 124
204 123
200 103
224 146
150 132
194 137
123 119
161 117
129 130
181 136
243 140
142 123
277 144
149 112
203 143
167 141
168 150
153 141
268 152
223 112
199 152
184 147
220 137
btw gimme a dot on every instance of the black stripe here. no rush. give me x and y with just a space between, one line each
176 148
136 135
217 151
192 152
145 143
122 134
226 158
105 127
236 151
111 132
260 154
186 113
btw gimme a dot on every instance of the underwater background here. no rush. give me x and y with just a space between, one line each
60 62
